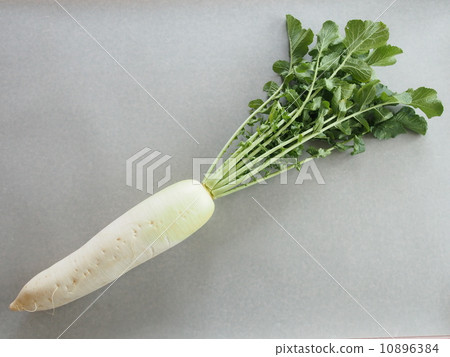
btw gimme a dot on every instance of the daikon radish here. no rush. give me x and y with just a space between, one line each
148 229
323 103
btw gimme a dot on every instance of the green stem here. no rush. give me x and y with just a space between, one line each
308 97
263 179
212 180
218 176
225 188
340 66
237 132
258 148
248 166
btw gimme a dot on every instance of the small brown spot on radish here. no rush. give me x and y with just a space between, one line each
74 281
118 239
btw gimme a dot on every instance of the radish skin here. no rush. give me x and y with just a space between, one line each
148 229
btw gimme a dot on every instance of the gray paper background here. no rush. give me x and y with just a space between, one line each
71 116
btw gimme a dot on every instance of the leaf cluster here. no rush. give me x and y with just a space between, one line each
328 98
337 81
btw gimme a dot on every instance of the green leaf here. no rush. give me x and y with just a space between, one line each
303 70
426 100
381 114
342 147
288 77
274 112
270 87
299 39
405 118
347 89
381 88
400 98
344 103
388 129
293 97
366 94
358 145
302 67
337 96
255 104
423 98
338 47
361 36
325 106
324 153
327 35
330 83
412 121
335 82
314 152
315 104
345 127
358 69
281 67
360 118
383 56
329 61
318 125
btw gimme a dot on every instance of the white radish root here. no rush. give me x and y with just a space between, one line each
148 229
